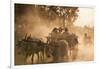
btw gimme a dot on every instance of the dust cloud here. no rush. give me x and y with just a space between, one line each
31 20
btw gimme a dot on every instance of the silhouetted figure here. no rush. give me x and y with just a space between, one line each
58 45
87 39
60 31
72 40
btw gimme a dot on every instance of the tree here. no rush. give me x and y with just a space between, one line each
68 14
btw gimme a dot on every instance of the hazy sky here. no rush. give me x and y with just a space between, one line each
86 17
